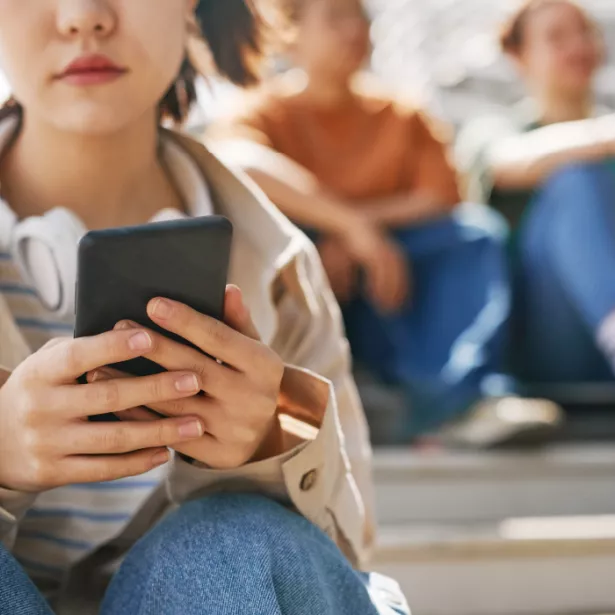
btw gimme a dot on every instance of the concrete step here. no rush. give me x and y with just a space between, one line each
558 566
451 487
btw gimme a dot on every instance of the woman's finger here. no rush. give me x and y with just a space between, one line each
115 395
217 420
213 337
94 469
137 414
133 414
69 359
126 437
215 379
206 408
237 315
400 277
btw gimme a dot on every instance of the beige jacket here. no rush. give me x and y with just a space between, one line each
326 474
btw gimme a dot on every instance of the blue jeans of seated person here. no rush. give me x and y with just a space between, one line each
446 346
565 277
227 555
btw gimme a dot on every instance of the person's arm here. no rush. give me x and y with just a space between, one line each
248 140
407 209
523 161
294 189
326 476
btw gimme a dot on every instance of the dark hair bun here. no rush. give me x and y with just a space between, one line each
234 33
512 36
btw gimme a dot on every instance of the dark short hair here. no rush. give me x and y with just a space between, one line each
512 36
235 33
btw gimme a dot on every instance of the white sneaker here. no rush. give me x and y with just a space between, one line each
501 420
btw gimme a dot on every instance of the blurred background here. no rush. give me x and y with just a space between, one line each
447 52
515 530
512 531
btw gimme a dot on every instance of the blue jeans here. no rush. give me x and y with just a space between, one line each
565 277
227 555
446 347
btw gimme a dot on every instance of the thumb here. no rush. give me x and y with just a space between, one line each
237 315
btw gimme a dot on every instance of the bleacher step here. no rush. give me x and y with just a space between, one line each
450 487
558 566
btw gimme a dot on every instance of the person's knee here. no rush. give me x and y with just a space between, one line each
232 549
240 531
228 524
479 221
578 180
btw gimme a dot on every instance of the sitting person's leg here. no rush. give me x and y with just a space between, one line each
566 278
450 336
18 595
235 554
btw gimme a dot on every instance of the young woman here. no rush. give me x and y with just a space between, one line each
82 147
422 282
549 170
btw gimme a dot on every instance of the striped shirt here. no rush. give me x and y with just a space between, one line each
65 525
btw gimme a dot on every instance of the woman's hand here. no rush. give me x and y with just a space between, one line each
386 268
340 267
241 387
46 440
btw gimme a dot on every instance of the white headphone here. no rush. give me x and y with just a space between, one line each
45 251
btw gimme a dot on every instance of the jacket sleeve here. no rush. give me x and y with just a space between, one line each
326 476
13 350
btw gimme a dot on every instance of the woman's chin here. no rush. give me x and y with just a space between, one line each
578 82
93 118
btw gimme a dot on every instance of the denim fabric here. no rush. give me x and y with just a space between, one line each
565 277
18 595
449 340
229 555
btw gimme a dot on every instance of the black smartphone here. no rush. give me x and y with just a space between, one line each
121 270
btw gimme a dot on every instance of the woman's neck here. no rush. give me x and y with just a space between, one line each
107 180
327 92
554 109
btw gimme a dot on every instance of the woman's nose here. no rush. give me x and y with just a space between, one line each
86 18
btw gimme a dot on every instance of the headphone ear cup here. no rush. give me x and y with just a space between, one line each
45 250
8 223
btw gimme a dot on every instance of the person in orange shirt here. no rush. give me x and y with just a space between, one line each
422 283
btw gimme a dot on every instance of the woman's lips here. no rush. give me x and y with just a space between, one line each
91 70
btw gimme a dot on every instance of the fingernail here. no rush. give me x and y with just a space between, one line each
140 341
160 458
237 291
191 429
126 324
187 383
161 308
99 374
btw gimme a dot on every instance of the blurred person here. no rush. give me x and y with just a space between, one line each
422 282
82 147
549 169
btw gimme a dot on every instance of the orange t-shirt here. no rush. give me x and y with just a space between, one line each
371 148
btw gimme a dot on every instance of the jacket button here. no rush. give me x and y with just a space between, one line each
309 480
